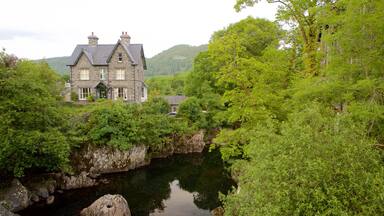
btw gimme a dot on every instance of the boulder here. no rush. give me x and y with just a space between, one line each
74 182
15 197
5 212
108 205
50 200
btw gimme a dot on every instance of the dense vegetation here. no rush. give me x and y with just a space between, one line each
172 61
166 85
301 111
39 132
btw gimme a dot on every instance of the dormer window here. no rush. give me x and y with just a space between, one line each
120 57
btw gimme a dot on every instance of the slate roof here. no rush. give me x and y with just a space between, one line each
175 100
100 54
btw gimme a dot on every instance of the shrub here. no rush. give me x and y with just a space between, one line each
315 164
31 136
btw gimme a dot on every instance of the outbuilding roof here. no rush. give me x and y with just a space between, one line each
175 100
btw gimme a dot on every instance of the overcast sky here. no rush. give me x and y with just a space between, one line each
49 28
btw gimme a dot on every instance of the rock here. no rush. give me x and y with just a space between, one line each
50 200
109 160
74 182
108 205
35 198
219 211
190 144
5 212
16 197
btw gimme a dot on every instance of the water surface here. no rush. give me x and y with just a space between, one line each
182 185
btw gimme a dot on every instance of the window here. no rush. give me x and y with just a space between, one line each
103 74
84 74
121 93
120 57
120 74
84 93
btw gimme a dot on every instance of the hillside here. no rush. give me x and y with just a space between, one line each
169 62
174 60
58 64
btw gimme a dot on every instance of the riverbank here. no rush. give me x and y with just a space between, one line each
89 163
187 183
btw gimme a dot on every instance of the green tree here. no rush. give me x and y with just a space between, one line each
305 14
31 133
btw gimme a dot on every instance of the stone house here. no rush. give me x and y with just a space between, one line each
112 71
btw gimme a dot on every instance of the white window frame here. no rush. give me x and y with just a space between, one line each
84 93
103 73
84 74
120 74
120 57
121 93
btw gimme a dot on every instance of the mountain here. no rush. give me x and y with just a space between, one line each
172 61
58 64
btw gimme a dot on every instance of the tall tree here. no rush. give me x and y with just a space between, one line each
305 14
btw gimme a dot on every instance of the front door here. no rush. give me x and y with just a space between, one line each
101 90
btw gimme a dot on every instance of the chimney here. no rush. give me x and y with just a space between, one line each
92 40
125 38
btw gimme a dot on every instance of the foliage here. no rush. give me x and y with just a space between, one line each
122 125
300 121
31 136
317 163
166 85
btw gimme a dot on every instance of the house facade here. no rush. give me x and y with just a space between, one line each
111 71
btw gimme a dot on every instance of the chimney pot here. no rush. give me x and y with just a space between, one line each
93 39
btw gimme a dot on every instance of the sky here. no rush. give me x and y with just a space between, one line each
36 29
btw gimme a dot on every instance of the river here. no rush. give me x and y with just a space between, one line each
182 185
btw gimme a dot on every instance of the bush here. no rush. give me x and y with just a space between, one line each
315 164
74 96
190 109
123 125
31 136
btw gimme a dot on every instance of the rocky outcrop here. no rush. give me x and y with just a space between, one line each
101 160
6 212
76 181
108 205
15 197
185 144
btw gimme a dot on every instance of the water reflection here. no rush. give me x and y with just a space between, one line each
179 185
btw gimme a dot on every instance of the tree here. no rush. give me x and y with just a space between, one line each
31 133
304 13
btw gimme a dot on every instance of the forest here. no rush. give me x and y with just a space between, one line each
298 103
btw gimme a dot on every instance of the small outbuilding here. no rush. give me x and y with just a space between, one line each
175 101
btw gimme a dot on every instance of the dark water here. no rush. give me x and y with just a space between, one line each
181 185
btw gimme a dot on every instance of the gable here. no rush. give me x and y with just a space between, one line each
101 54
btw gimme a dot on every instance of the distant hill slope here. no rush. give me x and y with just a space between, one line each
169 62
174 60
58 64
